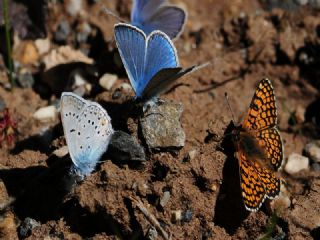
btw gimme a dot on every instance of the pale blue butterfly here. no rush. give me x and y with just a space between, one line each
151 61
150 15
87 129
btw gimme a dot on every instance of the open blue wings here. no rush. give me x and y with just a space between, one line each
151 62
150 15
143 56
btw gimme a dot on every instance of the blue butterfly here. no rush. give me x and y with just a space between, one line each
150 15
87 129
151 61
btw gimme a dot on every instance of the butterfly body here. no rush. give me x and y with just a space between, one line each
87 128
151 15
259 148
249 144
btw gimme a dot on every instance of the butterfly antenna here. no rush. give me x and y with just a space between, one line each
227 100
113 14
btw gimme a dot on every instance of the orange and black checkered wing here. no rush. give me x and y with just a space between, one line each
269 180
270 140
262 112
253 190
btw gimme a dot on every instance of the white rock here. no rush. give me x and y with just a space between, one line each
296 163
63 55
126 87
108 80
73 6
42 45
176 216
312 150
282 201
46 114
61 152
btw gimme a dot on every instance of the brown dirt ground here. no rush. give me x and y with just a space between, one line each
245 43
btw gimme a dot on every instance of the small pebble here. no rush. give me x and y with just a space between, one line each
126 87
116 94
315 167
61 152
124 147
73 7
312 150
187 216
165 198
78 79
152 233
108 80
26 227
161 125
25 78
46 114
62 32
296 163
192 154
83 33
282 202
176 216
42 45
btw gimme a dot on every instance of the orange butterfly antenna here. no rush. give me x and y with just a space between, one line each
230 109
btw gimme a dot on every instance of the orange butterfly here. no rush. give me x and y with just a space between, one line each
259 148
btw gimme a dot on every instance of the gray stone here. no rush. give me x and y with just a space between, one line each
124 147
25 79
84 33
315 167
62 31
152 233
315 3
187 216
161 125
27 226
165 198
312 150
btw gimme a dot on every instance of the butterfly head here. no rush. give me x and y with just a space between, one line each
235 133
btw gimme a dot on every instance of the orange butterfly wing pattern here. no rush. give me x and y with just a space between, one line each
259 148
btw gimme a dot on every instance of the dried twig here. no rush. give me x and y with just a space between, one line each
150 217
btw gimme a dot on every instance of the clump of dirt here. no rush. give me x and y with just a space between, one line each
190 193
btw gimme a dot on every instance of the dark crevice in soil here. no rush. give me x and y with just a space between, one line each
86 223
200 182
282 57
159 171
